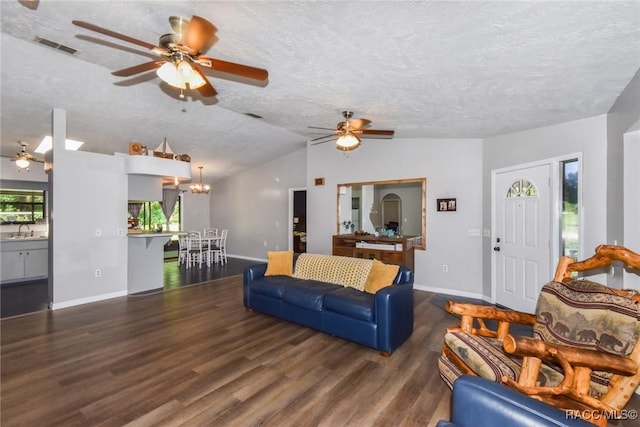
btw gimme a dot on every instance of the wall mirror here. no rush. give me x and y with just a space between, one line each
380 206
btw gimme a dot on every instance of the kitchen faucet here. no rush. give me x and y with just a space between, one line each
20 228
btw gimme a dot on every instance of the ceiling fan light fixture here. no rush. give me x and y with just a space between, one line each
189 75
22 163
348 142
200 188
169 74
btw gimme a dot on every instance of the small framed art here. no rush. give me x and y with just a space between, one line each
446 205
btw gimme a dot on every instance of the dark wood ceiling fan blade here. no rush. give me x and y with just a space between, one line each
233 68
197 34
116 35
207 89
137 69
376 133
358 123
30 4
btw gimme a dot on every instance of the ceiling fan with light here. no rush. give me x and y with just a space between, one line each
182 56
22 158
348 133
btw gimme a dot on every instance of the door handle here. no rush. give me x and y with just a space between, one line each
496 248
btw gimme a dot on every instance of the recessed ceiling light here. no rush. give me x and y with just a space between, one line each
47 143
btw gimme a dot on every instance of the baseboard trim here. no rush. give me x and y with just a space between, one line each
248 258
80 301
452 292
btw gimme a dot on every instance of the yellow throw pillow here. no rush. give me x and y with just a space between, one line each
380 276
280 263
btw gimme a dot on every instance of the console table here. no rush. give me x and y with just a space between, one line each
394 250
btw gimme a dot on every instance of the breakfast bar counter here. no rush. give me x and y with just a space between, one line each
146 260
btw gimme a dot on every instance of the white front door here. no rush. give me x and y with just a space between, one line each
521 240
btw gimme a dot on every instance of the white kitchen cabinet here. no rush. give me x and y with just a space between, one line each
24 260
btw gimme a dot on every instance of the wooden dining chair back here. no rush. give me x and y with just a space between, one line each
583 351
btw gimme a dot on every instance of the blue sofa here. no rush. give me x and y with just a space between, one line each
382 321
478 402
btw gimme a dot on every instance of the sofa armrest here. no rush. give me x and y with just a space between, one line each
251 273
254 272
394 315
479 402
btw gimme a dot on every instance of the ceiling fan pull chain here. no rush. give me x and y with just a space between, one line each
181 93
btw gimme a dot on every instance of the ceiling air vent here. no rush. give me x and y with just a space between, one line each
56 45
254 115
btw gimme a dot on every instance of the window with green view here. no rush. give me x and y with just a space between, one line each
21 206
569 225
151 216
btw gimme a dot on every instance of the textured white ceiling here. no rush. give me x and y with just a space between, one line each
425 69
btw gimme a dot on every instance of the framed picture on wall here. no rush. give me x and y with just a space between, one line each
446 205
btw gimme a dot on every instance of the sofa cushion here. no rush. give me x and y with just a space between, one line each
338 270
351 303
308 294
271 286
279 263
380 276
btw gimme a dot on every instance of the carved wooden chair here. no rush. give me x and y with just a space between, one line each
583 354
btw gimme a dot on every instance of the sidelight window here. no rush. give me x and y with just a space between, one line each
569 223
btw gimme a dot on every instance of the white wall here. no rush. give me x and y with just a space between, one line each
88 193
632 201
196 209
254 206
622 116
452 167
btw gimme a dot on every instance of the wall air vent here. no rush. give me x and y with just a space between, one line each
255 116
55 45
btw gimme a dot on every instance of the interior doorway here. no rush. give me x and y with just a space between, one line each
298 220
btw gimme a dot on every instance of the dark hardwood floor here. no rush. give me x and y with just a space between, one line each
28 297
193 356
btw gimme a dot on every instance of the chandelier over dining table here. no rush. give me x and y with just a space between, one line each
200 188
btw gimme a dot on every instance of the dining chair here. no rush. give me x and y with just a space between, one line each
219 251
183 249
196 249
210 232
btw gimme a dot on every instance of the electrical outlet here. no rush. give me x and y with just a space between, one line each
98 272
445 268
120 232
98 232
474 232
265 243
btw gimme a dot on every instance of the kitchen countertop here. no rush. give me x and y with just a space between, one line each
23 239
152 234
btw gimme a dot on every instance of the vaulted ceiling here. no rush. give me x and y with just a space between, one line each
432 69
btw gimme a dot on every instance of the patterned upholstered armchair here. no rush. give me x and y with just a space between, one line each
584 352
